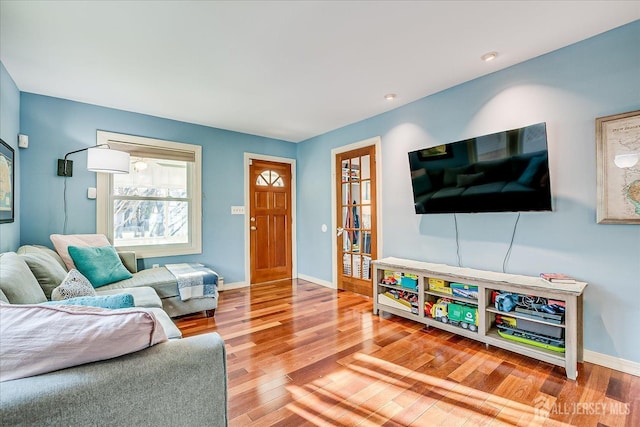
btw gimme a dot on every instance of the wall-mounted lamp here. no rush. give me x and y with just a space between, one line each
626 160
100 158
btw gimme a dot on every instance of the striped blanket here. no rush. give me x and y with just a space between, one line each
194 280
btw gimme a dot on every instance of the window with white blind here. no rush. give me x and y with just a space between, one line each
155 209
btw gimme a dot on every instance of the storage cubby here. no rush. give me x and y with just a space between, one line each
461 300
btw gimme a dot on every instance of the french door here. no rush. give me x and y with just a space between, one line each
356 204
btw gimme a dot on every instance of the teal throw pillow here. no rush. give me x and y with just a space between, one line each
530 174
102 301
101 265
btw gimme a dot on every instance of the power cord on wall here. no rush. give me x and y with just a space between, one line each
508 254
64 202
455 220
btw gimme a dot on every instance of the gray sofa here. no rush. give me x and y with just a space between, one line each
178 382
160 279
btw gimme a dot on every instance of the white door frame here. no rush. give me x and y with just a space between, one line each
377 141
247 242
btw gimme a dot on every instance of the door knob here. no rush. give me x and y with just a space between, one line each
253 227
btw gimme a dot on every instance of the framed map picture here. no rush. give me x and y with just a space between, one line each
618 160
6 182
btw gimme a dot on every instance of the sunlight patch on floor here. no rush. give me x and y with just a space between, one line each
448 402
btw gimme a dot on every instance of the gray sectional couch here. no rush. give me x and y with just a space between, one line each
177 382
160 279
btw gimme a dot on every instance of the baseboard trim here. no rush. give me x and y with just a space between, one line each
325 283
235 285
238 285
612 362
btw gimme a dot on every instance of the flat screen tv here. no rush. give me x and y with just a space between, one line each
503 172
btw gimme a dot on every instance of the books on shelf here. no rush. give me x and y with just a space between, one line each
557 278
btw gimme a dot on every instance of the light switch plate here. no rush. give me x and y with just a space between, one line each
23 141
91 193
237 210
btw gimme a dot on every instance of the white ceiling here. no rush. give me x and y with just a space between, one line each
282 69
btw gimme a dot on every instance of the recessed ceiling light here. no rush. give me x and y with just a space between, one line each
390 96
489 56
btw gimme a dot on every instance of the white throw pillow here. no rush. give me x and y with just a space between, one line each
74 285
35 339
62 241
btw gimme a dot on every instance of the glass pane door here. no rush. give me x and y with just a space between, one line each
355 219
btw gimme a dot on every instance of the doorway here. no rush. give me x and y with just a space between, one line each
270 220
356 217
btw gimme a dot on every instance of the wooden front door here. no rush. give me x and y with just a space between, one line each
270 220
356 203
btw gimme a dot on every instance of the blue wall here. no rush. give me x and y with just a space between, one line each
56 126
9 129
567 89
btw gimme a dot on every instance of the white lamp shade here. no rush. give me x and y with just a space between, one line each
107 161
626 160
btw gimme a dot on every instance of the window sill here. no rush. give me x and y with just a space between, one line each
161 250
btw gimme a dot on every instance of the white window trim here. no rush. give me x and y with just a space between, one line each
104 202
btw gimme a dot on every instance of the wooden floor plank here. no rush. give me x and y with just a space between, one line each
302 354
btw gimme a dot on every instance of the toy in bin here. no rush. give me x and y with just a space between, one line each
427 308
505 301
409 281
439 285
528 326
533 333
464 291
390 278
389 281
408 300
447 311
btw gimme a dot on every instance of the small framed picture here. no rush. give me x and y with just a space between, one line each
6 182
435 153
618 163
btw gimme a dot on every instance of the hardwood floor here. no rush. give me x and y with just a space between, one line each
301 354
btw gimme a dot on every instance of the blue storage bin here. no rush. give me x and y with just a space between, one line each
409 283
